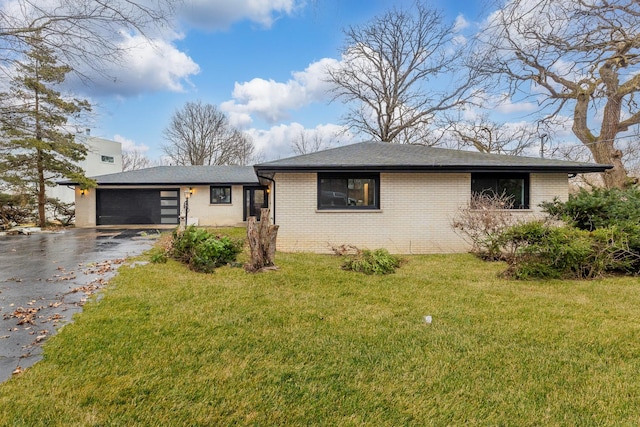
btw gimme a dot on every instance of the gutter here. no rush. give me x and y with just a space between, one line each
274 194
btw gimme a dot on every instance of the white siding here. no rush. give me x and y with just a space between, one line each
93 164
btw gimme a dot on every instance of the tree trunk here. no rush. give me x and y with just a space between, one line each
42 197
262 242
253 236
602 147
606 153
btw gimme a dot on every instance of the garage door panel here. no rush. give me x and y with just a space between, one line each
141 206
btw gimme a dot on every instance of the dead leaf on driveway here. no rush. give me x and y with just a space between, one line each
104 267
55 318
25 315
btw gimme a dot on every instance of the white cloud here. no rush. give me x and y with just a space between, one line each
237 119
220 14
276 142
272 101
460 24
500 103
268 99
129 145
160 65
507 106
148 66
157 64
313 78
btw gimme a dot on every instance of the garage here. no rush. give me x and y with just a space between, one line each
158 196
137 206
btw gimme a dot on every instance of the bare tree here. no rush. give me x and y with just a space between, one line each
309 142
200 134
488 136
630 148
631 155
389 67
82 33
134 160
578 153
482 221
242 150
579 58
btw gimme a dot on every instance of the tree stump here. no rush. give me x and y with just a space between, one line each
262 242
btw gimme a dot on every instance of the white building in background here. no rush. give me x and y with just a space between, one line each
103 157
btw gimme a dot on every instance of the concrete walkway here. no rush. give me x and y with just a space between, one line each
45 278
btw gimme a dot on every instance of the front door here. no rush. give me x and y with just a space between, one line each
255 198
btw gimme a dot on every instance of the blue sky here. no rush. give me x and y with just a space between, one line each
260 61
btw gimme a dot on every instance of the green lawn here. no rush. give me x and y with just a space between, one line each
311 344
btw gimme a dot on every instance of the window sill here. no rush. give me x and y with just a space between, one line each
351 211
504 210
220 204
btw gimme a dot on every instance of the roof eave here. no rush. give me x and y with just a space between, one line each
191 183
434 168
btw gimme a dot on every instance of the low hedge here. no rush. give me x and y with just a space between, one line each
539 250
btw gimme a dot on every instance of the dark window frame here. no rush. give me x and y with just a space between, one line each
216 201
250 208
375 177
497 176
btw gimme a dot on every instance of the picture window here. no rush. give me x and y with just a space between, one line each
515 187
348 191
220 195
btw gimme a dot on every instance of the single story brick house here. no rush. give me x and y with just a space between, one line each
369 194
399 197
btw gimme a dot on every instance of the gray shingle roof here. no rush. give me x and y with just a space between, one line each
175 175
383 156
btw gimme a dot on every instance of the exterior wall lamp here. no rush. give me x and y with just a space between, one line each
187 194
83 192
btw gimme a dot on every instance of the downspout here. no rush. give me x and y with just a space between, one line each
274 195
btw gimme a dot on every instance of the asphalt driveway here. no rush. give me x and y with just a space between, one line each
45 278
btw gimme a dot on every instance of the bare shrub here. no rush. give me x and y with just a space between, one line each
343 250
482 221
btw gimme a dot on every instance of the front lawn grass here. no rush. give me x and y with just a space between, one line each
312 344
